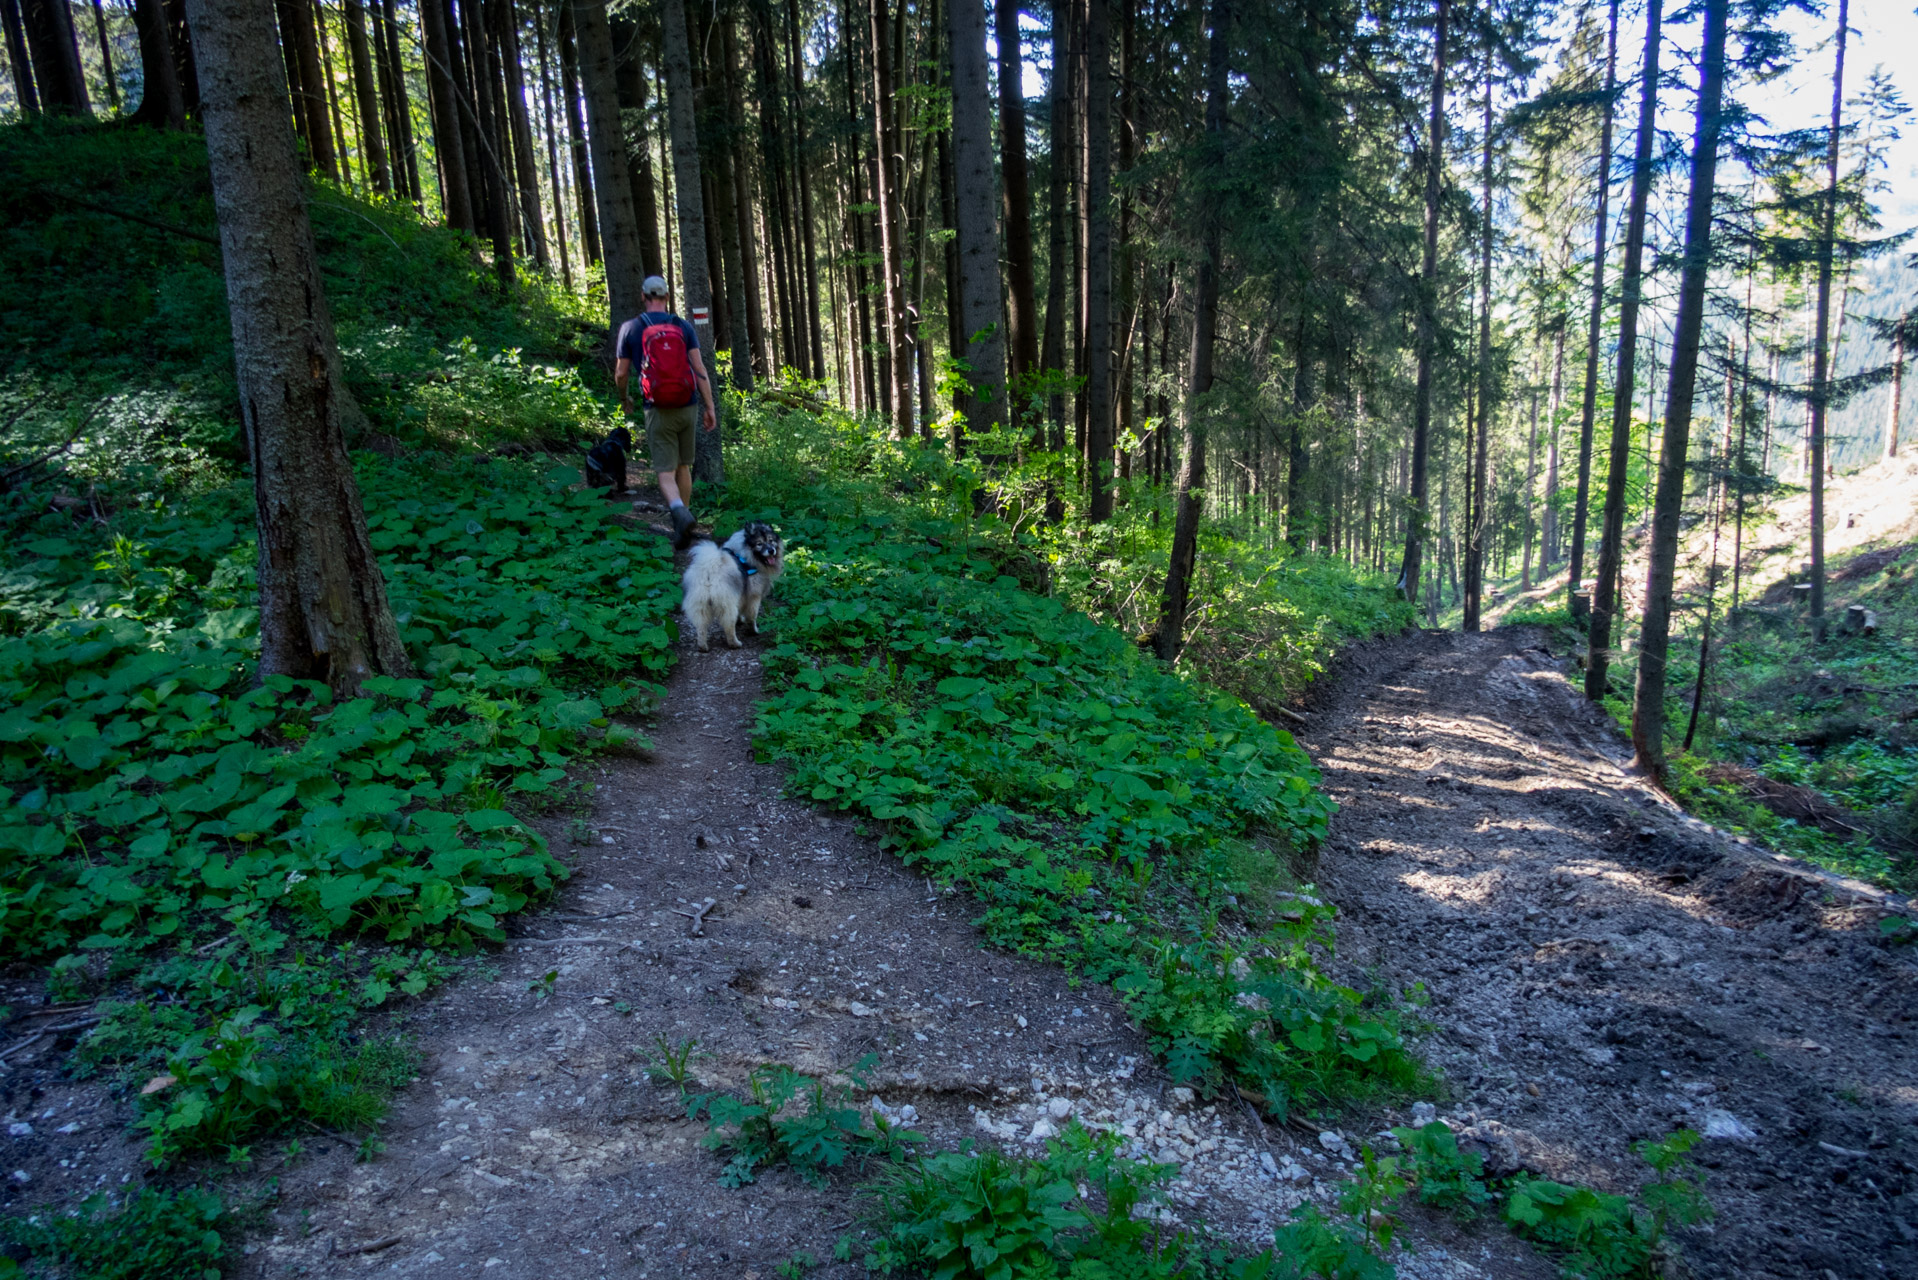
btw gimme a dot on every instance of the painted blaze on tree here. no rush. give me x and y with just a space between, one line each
323 608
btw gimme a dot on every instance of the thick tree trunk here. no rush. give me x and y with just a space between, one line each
611 184
323 608
576 134
160 103
456 192
898 340
533 218
1648 701
1631 289
1098 224
695 287
978 240
1426 334
54 49
20 60
1022 317
1588 408
1205 305
366 97
1823 344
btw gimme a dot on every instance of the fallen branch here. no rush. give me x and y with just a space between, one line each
565 942
76 1025
111 212
698 917
372 1247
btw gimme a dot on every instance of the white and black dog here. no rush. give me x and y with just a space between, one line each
726 583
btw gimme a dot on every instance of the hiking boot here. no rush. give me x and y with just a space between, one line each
682 528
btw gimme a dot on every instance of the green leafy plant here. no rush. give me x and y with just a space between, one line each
1316 1247
984 1215
1600 1236
796 1267
787 1118
670 1061
153 1232
1446 1177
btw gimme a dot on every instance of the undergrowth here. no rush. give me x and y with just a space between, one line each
805 1123
153 1232
170 825
1108 814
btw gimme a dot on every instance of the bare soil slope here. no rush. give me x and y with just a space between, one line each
1603 968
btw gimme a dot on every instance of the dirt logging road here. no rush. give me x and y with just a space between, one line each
1599 969
1603 968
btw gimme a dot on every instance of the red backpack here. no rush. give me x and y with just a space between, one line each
666 375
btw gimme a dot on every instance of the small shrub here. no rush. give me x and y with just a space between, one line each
823 1131
1446 1177
154 1234
1607 1237
984 1215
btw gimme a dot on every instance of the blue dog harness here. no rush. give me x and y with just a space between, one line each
745 570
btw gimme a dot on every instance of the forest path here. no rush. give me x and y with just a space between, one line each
535 1146
1603 968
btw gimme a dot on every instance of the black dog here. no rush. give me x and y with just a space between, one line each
606 461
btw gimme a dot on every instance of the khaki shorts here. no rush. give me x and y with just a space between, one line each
671 435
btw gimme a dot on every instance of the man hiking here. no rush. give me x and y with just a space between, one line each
674 386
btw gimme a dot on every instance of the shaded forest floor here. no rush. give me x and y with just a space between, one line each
1601 969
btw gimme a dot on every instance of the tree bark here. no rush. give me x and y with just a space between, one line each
1549 555
1822 343
160 102
551 135
181 38
1052 356
330 86
1897 387
1426 335
1480 508
633 96
576 133
323 608
695 287
611 184
808 245
1631 289
1022 316
20 60
106 55
403 155
1205 305
54 49
1098 224
456 192
755 361
1588 409
898 341
366 97
1648 702
482 75
533 218
978 240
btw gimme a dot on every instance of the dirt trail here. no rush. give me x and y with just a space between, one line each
1604 968
535 1145
1578 936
